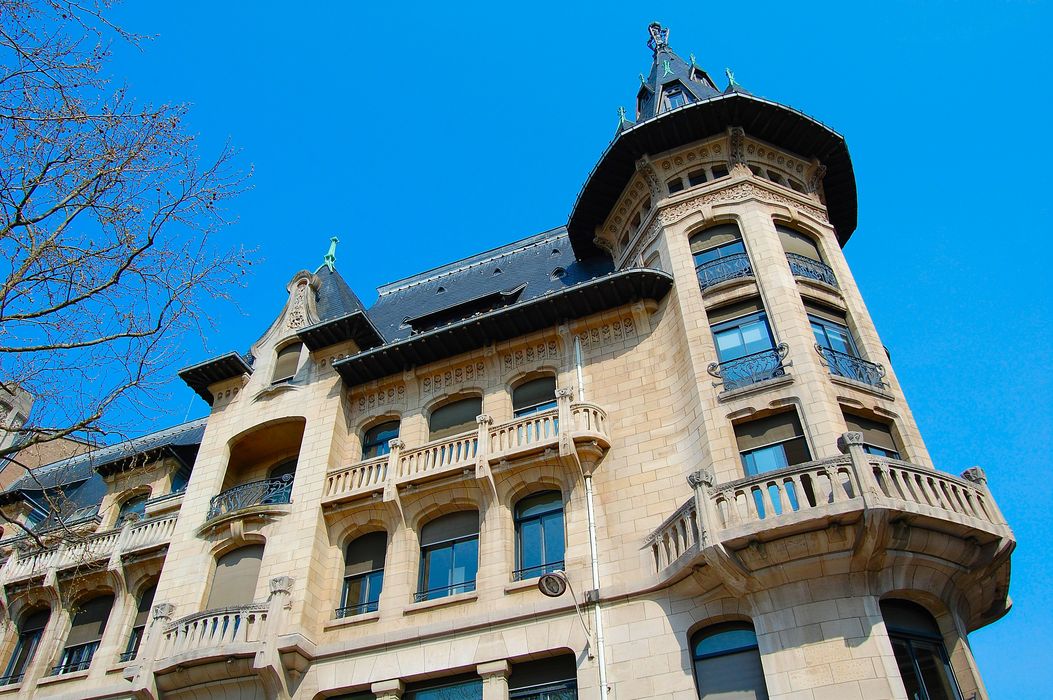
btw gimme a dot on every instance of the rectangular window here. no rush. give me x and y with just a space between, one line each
719 171
877 436
696 177
361 594
771 443
675 185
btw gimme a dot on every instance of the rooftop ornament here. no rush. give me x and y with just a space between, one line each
731 76
330 258
659 40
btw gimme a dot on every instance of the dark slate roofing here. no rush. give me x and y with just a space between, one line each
201 376
667 71
540 264
334 297
82 467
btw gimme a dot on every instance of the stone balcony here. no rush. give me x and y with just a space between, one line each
572 431
869 511
102 547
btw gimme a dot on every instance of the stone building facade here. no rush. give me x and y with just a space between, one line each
659 452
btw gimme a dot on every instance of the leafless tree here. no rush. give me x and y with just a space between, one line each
107 220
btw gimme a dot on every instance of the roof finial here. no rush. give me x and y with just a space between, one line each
621 116
330 257
692 57
659 37
731 76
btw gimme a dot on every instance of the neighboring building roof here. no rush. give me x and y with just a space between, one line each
82 467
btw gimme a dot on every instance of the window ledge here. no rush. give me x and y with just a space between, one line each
440 602
518 586
862 386
12 687
822 286
350 621
767 384
71 676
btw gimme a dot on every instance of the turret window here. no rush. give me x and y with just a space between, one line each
745 346
720 255
286 363
675 97
771 443
920 653
877 436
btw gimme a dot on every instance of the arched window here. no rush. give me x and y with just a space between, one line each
286 362
798 243
235 580
363 574
802 253
720 255
375 440
449 555
454 418
727 663
540 540
920 654
142 618
534 396
84 636
133 509
30 629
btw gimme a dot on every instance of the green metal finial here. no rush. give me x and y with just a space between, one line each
692 57
643 80
731 76
621 116
330 257
667 68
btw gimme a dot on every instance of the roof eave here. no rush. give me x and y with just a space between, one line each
355 326
204 374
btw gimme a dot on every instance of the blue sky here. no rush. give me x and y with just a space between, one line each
421 133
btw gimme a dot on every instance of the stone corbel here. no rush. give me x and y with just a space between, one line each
391 490
482 452
737 150
388 690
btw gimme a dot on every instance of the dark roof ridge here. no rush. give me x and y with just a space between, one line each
474 260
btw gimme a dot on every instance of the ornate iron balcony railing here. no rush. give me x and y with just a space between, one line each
802 266
844 365
750 369
254 493
727 268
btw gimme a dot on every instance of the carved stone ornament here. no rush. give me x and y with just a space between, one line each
396 444
297 317
737 147
484 419
281 584
847 439
703 477
164 611
565 392
976 475
817 178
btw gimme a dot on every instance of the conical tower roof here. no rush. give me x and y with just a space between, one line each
672 82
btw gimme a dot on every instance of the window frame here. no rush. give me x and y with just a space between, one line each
30 638
827 325
373 581
279 352
378 446
534 409
427 551
547 566
737 323
466 426
910 636
715 630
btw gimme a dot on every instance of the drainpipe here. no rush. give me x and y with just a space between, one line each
601 658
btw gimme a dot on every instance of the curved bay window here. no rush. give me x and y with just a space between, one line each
727 663
234 583
30 630
449 555
534 396
375 440
142 618
920 653
133 509
363 574
286 363
802 253
84 636
540 543
454 418
720 255
835 345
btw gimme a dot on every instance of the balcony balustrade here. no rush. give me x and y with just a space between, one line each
848 366
722 269
809 268
213 628
814 492
584 422
255 493
132 537
750 369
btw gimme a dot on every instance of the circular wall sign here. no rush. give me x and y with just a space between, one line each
552 585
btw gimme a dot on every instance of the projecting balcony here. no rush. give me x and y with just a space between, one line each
98 548
811 269
955 518
580 428
723 269
750 369
265 492
851 367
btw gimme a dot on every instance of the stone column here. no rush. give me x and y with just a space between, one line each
388 690
495 679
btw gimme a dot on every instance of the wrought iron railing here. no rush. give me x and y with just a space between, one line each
750 369
359 609
12 679
851 367
727 268
254 493
76 658
535 571
802 266
443 591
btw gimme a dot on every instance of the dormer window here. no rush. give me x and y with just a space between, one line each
675 97
286 363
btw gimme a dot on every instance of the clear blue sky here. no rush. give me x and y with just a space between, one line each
421 133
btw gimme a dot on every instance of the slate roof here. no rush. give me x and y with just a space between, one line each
541 264
334 297
81 467
666 69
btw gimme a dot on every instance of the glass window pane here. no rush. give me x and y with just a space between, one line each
530 552
905 662
437 565
937 676
465 564
755 337
764 459
729 344
820 334
554 544
469 690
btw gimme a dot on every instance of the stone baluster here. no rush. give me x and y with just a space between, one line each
976 475
495 679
